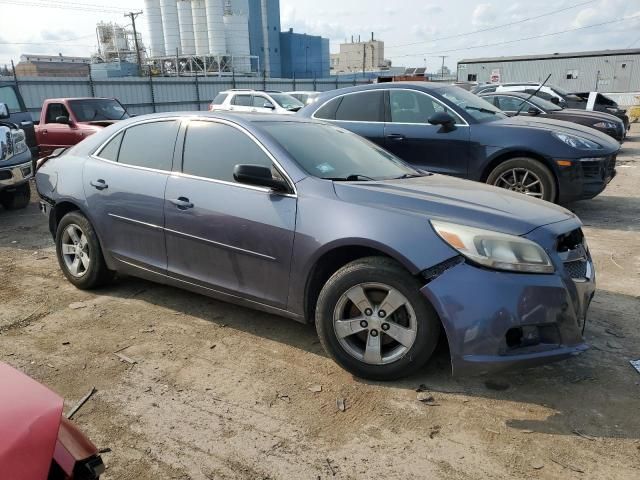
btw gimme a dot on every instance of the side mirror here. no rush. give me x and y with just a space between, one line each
63 120
533 111
269 105
4 111
260 176
555 100
444 119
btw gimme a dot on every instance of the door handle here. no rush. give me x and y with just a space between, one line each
182 203
396 137
99 184
44 132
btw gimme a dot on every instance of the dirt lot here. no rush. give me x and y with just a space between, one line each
222 392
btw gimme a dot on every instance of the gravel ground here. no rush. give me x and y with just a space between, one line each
222 392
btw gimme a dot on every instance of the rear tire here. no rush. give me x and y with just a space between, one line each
356 295
79 253
527 176
16 199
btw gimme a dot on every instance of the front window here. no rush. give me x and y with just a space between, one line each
410 106
287 101
97 109
330 152
479 109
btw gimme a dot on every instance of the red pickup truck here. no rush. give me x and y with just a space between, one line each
67 121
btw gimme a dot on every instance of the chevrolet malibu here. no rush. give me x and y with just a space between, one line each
309 221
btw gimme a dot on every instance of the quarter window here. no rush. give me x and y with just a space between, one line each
149 145
242 100
328 110
111 149
362 107
220 98
212 150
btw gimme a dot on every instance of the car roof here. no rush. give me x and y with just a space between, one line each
417 85
244 119
66 99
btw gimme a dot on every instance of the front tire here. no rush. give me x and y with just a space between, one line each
527 176
373 321
79 253
16 199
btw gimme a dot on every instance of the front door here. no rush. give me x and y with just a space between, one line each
221 234
622 77
411 137
125 187
54 135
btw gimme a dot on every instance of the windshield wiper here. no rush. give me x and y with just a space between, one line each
351 178
411 175
480 109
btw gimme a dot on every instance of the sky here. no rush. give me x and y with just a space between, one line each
415 32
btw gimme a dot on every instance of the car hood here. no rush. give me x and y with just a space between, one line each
548 125
456 200
30 416
591 114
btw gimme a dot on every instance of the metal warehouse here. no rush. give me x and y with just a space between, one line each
604 71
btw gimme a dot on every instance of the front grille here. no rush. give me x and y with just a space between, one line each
576 269
5 175
600 168
611 167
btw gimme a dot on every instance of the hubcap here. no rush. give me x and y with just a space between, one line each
375 323
75 250
521 180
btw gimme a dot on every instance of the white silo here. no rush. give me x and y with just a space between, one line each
170 26
215 27
201 36
154 25
185 19
236 29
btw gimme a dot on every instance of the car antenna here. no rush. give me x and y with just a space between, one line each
533 94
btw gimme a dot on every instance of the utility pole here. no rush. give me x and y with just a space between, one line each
133 16
364 60
442 70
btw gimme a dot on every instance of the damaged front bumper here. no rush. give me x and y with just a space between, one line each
498 320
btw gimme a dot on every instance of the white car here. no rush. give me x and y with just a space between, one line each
305 97
255 101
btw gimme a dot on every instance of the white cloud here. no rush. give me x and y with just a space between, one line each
483 15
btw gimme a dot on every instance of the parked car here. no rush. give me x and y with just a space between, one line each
18 114
309 221
306 98
67 121
561 97
36 441
256 101
445 129
518 103
16 165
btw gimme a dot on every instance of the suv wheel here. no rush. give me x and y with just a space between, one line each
79 253
373 321
16 199
525 175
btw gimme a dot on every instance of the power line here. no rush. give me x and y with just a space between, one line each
435 52
64 6
492 28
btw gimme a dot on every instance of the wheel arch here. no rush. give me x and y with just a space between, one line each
511 154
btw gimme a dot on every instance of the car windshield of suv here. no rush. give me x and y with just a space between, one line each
332 153
478 108
287 101
95 109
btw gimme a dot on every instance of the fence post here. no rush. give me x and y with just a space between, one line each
315 85
336 81
294 81
354 79
92 90
15 76
233 78
198 92
153 98
264 80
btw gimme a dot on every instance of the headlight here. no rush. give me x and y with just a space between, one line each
19 142
609 125
575 141
494 249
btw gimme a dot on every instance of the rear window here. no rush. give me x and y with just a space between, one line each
220 98
362 107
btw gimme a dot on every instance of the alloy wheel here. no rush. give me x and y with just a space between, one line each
75 250
375 323
521 180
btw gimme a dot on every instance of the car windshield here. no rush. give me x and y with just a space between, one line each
287 101
476 107
94 109
332 153
543 104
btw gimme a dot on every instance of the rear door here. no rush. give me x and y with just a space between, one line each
360 112
411 137
241 102
124 183
223 235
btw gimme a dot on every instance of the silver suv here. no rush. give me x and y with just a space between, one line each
255 101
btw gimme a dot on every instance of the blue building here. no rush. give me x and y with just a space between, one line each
264 32
304 56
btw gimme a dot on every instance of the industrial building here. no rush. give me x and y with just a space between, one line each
605 70
52 66
359 56
304 56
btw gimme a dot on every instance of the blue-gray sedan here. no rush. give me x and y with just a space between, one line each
310 221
